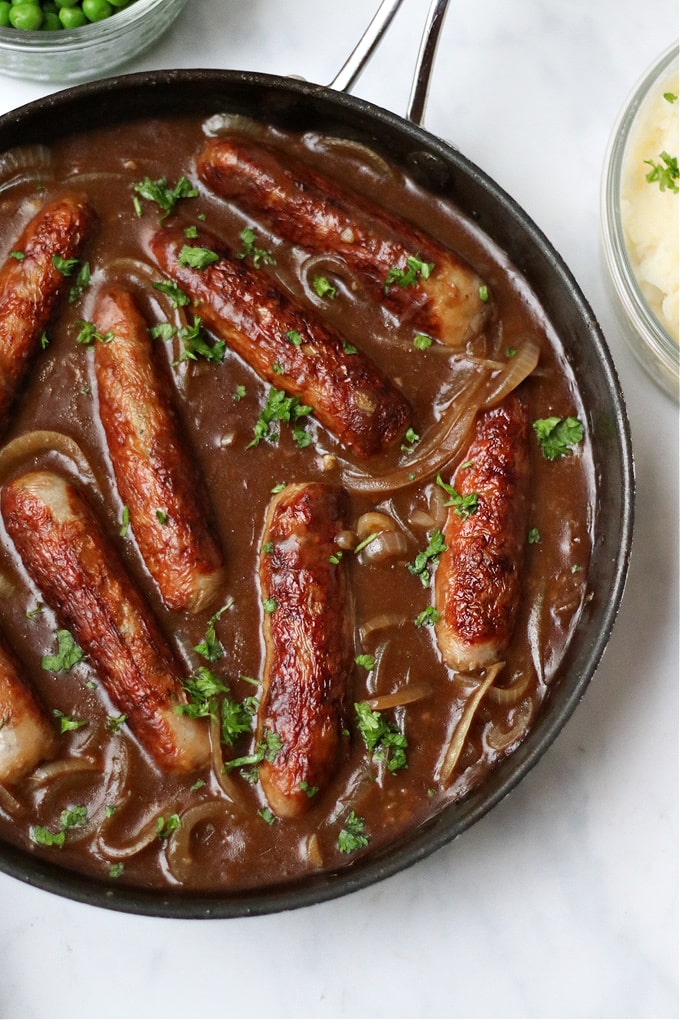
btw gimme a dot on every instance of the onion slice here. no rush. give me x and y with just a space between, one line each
41 441
178 853
514 372
404 696
462 727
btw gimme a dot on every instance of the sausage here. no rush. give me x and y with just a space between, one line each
306 208
348 393
156 476
308 634
82 578
31 286
478 578
26 733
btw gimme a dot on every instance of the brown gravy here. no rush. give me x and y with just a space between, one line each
232 847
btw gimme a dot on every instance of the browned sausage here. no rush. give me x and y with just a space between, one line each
308 635
31 286
155 473
319 214
349 394
477 582
26 733
82 578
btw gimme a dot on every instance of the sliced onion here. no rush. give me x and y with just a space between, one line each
41 441
45 775
510 695
178 852
7 586
144 837
423 519
374 522
501 739
514 372
232 124
444 445
438 507
9 805
462 727
222 777
387 545
382 621
324 265
313 848
404 696
359 152
25 163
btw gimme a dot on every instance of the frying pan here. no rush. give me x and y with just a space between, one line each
300 106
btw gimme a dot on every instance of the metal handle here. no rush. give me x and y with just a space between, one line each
355 64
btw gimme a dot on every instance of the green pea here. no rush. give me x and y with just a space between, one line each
120 3
97 10
67 3
72 17
26 16
4 13
51 22
35 3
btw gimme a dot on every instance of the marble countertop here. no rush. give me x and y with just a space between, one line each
562 902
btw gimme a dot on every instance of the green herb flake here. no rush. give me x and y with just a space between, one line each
210 647
237 718
266 750
353 834
178 298
67 267
311 791
194 343
428 617
533 536
557 436
270 605
294 337
483 293
202 689
410 437
366 541
198 785
268 815
116 870
162 194
196 257
164 828
239 392
335 557
349 348
280 408
259 256
665 173
463 506
81 283
70 818
415 269
68 654
670 97
115 723
162 516
367 661
428 557
422 341
323 287
124 522
88 333
18 255
383 739
67 724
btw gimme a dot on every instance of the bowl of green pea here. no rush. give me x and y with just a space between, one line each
75 40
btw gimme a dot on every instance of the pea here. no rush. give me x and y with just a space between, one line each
51 22
67 3
97 10
120 3
36 3
4 13
26 16
72 17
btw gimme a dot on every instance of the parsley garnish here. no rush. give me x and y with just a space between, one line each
280 407
483 293
367 661
116 870
66 267
435 547
70 818
210 647
410 437
353 835
66 724
463 506
202 688
665 173
196 257
194 343
18 255
68 654
265 750
323 287
260 256
88 333
124 522
385 740
177 296
165 828
294 337
427 617
533 536
237 718
115 723
162 194
270 605
557 435
415 268
422 341
82 281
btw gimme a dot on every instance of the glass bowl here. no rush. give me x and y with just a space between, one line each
71 55
640 226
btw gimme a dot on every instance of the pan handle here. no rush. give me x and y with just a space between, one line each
363 51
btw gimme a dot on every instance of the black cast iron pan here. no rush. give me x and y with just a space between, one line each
300 106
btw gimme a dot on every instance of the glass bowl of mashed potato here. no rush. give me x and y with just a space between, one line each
640 206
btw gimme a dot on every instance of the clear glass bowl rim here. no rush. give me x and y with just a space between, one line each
616 252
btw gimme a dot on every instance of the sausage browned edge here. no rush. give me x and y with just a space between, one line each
82 578
27 735
32 284
155 473
308 633
477 583
286 345
309 209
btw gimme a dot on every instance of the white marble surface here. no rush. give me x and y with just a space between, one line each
563 901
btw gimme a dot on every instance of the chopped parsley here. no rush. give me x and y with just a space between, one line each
323 287
195 345
270 605
259 256
165 828
164 196
177 296
88 333
82 281
66 267
430 556
410 437
463 506
162 516
281 407
210 647
483 292
670 97
265 750
422 341
116 870
353 834
268 815
124 522
311 791
533 536
236 718
367 661
428 617
556 436
665 173
67 724
70 818
115 723
196 257
68 654
239 392
385 740
202 689
415 268
18 255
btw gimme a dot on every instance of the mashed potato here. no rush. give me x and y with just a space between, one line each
649 211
